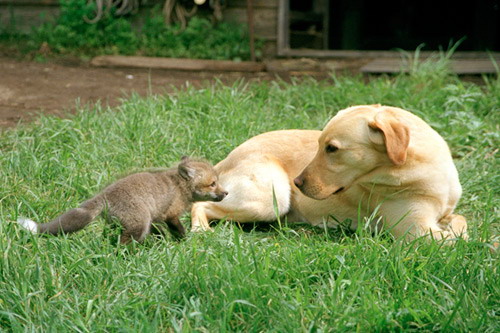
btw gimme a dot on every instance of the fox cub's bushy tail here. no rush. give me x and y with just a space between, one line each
73 220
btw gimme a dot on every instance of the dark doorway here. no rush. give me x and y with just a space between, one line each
394 24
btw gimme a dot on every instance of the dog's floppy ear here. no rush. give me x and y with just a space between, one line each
396 136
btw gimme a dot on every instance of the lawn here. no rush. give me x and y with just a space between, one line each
284 277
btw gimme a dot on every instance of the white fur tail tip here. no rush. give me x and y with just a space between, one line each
28 224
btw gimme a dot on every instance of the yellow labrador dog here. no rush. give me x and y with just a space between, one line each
368 160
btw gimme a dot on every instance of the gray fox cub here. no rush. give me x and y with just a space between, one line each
142 198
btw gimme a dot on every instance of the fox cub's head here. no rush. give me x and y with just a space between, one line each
202 179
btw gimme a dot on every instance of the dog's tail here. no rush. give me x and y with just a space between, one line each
73 220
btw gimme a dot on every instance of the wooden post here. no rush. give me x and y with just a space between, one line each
283 27
251 31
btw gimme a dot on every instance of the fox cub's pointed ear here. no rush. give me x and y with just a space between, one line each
184 158
396 136
186 171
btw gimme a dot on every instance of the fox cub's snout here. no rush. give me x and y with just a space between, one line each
204 181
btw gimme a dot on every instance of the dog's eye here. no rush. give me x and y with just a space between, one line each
331 148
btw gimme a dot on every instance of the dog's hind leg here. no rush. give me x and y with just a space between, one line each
260 193
203 212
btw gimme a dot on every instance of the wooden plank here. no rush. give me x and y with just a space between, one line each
269 49
265 20
26 17
177 64
150 3
459 66
294 65
382 54
256 4
385 65
479 66
231 3
30 2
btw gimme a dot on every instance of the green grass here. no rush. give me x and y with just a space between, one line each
288 279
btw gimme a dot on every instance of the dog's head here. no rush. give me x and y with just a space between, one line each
355 142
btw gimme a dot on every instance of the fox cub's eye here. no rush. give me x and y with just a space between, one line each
213 184
331 148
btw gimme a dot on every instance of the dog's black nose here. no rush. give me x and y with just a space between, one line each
299 181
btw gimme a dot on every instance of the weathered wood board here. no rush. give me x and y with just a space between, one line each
459 66
177 64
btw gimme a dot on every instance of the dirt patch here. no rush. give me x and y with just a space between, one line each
29 88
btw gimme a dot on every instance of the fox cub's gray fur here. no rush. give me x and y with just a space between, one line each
142 198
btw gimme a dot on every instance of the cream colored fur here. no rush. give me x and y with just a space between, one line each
368 158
